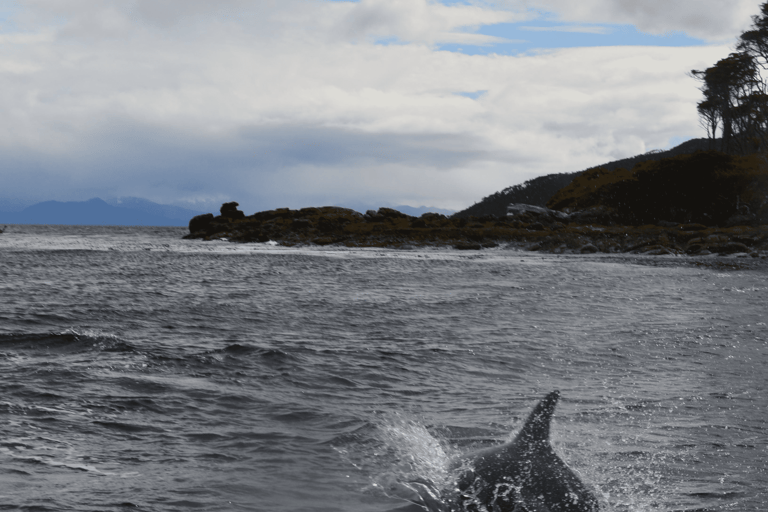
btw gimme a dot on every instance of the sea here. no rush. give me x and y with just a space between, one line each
143 372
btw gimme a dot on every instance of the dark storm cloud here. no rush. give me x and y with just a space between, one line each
296 145
255 162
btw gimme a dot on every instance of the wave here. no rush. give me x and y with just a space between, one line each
68 341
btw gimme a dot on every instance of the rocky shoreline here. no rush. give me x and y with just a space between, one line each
525 227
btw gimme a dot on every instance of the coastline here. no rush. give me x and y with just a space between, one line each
387 228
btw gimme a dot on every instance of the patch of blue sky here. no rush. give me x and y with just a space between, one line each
7 10
544 32
473 95
542 35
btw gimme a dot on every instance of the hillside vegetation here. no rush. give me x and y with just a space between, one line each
539 191
706 187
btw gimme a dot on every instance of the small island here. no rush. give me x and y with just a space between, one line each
703 203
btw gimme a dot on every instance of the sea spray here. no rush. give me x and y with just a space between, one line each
402 459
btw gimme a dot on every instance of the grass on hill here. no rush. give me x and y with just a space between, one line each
539 191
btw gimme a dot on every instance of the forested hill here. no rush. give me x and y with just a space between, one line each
539 190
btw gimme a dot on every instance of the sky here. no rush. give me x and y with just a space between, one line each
295 103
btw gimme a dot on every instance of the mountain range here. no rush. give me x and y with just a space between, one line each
413 211
134 211
130 211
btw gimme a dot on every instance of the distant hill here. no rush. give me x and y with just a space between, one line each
413 211
160 210
419 211
540 190
96 212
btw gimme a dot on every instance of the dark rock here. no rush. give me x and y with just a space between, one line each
731 248
655 250
432 216
200 222
230 211
693 227
325 240
530 213
373 216
468 246
741 220
589 249
256 236
599 215
301 224
556 225
390 213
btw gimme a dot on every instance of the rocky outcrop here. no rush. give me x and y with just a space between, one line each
519 211
684 239
230 211
199 223
526 227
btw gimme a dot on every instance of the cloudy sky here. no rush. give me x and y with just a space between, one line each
299 103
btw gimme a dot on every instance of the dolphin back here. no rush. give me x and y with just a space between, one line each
536 428
525 475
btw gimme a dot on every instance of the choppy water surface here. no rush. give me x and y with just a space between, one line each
139 371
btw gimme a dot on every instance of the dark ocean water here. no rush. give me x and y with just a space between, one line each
139 371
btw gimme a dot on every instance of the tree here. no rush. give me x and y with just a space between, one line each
709 112
733 91
736 93
755 41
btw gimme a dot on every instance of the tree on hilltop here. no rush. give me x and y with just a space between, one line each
736 92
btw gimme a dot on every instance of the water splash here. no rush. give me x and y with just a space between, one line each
402 459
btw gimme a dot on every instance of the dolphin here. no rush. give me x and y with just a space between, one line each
524 475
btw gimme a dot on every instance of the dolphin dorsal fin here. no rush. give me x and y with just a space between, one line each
536 428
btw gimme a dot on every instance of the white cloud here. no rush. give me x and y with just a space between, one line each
421 21
265 103
710 20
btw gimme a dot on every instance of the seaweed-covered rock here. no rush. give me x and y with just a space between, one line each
200 222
